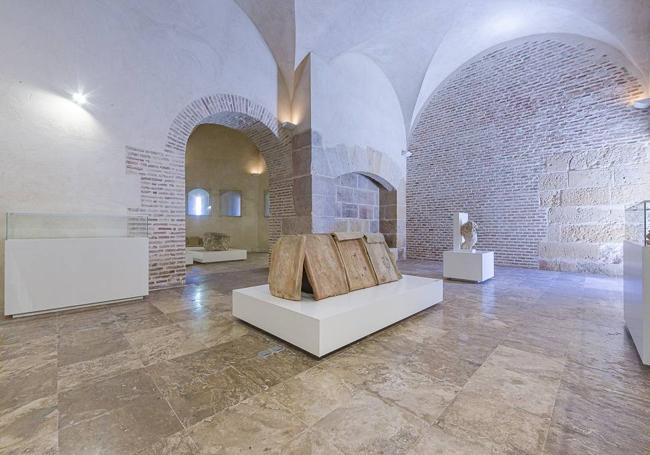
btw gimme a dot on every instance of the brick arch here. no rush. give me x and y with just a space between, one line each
162 176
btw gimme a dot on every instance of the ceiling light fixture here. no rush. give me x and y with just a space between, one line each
79 98
642 103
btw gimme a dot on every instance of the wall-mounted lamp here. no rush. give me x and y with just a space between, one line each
642 103
79 98
288 125
406 154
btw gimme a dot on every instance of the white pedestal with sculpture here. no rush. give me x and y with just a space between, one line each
464 262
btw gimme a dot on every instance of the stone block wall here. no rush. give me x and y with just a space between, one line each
537 140
585 194
357 203
329 164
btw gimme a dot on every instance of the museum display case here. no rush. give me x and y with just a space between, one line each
56 261
636 271
637 223
60 226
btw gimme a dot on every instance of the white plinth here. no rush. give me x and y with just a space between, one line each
467 265
199 254
320 327
49 274
189 257
636 296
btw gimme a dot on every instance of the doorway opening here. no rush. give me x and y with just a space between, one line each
227 202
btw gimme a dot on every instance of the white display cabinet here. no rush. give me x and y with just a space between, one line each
636 274
55 262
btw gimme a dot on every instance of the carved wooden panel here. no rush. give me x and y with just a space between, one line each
381 260
324 267
355 258
287 262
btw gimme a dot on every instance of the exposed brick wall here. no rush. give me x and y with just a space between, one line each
537 141
162 200
357 203
162 175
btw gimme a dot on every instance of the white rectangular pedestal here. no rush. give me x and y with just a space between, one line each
189 258
320 327
636 296
199 254
49 274
466 265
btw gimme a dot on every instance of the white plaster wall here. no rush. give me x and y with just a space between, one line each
140 62
301 102
353 103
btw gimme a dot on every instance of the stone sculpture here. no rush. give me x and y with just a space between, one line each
469 231
216 241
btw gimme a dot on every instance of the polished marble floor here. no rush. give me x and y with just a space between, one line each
530 362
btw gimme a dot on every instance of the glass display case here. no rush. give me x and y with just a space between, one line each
637 223
59 261
64 226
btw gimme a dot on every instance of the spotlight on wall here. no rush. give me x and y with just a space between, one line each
406 154
288 125
642 103
79 98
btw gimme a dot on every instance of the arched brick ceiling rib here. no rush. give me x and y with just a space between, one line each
417 43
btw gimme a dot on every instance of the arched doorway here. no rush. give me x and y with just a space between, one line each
227 192
162 178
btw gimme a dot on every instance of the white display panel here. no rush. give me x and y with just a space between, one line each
320 327
49 274
636 271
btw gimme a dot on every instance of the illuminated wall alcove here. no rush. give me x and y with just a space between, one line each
226 185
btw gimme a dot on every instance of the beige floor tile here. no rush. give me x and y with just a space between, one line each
269 370
368 425
90 343
436 442
424 396
473 416
31 428
194 397
308 442
214 330
313 394
163 343
255 426
123 414
98 369
27 385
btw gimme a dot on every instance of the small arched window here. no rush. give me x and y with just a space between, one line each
198 202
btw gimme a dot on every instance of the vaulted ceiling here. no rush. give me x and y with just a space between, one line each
418 43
